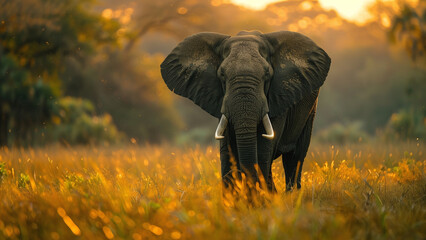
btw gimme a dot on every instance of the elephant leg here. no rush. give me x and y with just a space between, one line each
266 152
292 168
270 182
293 160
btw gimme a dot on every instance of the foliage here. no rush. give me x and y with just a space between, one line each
23 180
366 191
407 124
41 34
128 87
25 106
196 135
3 172
76 51
338 133
178 18
37 37
409 29
379 85
78 124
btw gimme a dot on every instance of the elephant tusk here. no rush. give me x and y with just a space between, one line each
268 127
221 128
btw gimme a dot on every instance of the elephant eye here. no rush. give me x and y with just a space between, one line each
263 52
226 51
221 73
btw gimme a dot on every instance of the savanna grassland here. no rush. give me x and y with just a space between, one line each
374 191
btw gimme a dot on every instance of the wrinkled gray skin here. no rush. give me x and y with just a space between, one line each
245 77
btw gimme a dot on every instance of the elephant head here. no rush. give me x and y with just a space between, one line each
245 79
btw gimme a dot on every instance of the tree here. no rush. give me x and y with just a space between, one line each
172 16
130 88
24 105
37 37
409 29
42 35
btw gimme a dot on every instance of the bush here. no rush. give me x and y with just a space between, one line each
339 133
77 123
198 135
407 124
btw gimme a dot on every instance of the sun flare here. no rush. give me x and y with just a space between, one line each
351 10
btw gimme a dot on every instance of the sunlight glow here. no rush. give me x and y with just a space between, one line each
351 10
253 4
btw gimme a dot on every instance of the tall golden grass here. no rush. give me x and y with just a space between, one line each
159 192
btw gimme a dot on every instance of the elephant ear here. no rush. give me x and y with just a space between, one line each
190 70
300 68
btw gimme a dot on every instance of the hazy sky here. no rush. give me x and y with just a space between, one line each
352 9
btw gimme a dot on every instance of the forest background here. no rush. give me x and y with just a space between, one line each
86 72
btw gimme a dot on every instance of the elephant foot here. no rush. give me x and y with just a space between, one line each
290 188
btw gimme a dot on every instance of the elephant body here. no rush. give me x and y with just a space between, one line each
263 87
291 141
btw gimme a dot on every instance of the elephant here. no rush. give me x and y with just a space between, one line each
263 88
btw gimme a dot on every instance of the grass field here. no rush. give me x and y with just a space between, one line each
373 191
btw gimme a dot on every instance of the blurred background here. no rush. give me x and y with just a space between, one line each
79 72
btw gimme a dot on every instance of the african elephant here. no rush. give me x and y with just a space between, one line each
264 90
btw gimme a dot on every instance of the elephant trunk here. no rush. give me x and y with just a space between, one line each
246 109
247 154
